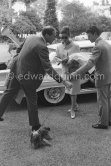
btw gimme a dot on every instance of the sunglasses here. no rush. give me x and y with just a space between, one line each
64 37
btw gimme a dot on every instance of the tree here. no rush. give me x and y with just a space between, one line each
39 6
75 15
27 22
50 17
79 18
5 12
27 3
104 23
23 26
34 19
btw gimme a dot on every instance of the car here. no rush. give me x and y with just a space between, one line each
55 93
51 92
82 36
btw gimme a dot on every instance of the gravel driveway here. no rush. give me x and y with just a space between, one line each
75 142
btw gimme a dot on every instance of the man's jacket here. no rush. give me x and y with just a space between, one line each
101 57
33 62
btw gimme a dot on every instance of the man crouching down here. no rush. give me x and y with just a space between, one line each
33 58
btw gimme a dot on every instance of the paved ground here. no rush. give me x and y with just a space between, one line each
75 142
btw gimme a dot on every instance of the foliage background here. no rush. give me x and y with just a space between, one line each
44 12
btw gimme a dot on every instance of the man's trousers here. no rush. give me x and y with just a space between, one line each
31 97
103 98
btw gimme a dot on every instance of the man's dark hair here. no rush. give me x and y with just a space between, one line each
48 30
93 30
65 30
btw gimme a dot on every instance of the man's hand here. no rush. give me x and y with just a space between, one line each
67 84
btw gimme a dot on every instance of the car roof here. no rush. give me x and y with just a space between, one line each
82 44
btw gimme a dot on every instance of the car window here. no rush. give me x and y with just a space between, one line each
86 49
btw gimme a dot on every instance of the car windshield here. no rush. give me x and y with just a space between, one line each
86 49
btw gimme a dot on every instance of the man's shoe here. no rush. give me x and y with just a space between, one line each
1 119
99 126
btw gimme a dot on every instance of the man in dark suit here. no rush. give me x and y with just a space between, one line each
101 59
28 71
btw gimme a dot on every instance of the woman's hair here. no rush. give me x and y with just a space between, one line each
65 30
48 30
93 30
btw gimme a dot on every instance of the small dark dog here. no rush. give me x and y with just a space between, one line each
73 65
40 138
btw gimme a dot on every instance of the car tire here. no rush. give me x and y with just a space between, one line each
53 96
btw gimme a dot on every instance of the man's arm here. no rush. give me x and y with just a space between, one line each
44 57
96 53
